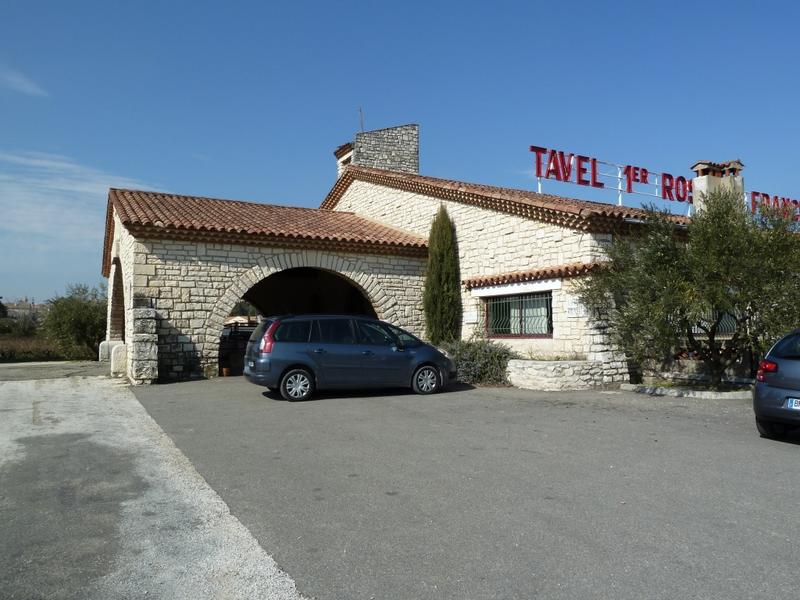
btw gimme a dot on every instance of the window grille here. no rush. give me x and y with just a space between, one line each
726 327
524 315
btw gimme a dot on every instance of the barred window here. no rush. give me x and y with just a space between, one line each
524 315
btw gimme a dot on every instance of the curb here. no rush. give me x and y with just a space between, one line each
686 392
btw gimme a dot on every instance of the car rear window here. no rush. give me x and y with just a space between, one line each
258 333
788 348
293 331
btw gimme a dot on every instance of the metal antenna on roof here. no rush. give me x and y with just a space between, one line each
361 118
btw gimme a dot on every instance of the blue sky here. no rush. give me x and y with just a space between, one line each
247 100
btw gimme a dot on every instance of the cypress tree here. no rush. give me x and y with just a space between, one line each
442 295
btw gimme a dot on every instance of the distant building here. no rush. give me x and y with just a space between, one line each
25 307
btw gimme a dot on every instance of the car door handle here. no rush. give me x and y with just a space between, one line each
367 353
318 350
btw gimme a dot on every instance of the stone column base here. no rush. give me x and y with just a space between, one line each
119 360
106 348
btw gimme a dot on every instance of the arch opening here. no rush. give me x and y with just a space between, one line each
298 290
116 317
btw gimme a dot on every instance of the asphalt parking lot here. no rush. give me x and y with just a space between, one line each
498 493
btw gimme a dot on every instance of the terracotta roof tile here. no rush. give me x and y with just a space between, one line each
568 212
170 216
556 272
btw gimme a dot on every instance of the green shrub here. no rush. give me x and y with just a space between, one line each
76 323
480 361
21 327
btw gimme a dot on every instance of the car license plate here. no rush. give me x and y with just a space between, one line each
793 403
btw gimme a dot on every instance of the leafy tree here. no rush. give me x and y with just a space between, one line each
243 309
667 289
442 294
3 310
76 322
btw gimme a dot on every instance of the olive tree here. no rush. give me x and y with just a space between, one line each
667 288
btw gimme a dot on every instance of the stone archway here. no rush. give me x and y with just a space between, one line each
352 270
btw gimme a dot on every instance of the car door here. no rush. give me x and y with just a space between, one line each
336 354
386 363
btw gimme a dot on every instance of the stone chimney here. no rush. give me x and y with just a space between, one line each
711 176
393 149
344 156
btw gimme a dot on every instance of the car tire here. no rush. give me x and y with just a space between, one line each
770 430
297 385
426 380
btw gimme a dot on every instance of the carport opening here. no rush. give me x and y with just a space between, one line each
116 324
293 291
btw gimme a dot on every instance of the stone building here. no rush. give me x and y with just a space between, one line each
178 264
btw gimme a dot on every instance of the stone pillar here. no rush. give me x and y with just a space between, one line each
143 347
602 351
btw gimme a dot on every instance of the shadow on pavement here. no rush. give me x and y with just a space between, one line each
334 394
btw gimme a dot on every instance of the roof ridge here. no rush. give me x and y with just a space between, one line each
565 211
521 191
230 200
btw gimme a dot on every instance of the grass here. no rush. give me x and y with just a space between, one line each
698 385
27 349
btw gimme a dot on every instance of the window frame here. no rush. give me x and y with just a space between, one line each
531 336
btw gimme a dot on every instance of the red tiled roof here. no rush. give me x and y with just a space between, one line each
169 216
557 272
567 212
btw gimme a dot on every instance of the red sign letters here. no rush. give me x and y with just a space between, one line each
761 199
559 165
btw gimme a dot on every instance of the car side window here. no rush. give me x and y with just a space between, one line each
405 338
334 331
293 331
788 348
374 334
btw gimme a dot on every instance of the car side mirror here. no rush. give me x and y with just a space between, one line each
398 347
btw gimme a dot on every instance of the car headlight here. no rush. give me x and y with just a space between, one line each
445 352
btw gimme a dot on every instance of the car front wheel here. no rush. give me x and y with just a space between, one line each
426 380
297 384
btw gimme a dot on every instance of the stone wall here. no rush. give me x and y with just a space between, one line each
556 375
193 287
492 242
394 148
